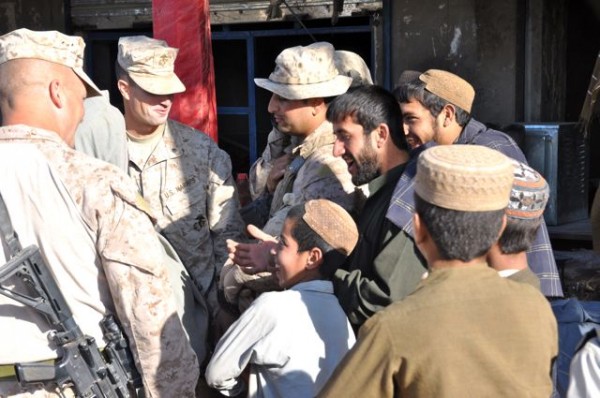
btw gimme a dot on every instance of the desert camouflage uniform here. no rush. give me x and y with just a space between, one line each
320 176
278 144
187 181
93 229
101 132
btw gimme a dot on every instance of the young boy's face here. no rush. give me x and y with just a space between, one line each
290 266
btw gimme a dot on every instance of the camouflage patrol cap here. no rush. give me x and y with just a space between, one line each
351 64
306 72
51 46
150 63
449 87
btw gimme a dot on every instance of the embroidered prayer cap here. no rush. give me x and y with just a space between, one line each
306 72
51 46
529 194
332 223
450 87
464 177
351 64
150 63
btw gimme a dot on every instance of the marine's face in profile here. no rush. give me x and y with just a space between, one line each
145 109
291 116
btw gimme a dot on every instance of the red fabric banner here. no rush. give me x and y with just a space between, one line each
185 24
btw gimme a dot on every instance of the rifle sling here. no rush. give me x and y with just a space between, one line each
8 233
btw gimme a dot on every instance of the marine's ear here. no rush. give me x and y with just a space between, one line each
124 88
57 93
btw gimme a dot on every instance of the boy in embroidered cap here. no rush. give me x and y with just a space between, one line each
463 322
528 198
92 228
292 340
182 173
437 107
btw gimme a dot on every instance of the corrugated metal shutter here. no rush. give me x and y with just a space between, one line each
126 14
110 14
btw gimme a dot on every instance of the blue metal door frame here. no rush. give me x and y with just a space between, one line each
250 37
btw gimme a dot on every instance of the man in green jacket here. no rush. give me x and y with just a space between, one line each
386 265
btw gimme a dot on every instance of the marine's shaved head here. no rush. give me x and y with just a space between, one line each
42 94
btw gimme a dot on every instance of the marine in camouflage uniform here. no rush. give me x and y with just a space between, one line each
302 79
180 171
91 225
100 135
319 175
278 145
188 183
347 63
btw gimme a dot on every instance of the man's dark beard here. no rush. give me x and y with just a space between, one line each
367 168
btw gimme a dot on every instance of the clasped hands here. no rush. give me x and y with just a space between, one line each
255 257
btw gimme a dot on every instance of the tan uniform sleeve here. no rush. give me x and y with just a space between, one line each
138 281
223 207
321 177
277 145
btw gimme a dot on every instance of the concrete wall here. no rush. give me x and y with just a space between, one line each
529 60
477 39
32 14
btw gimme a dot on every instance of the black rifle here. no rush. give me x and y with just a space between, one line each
80 365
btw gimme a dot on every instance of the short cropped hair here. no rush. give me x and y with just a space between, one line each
518 236
460 235
120 72
308 239
415 90
370 106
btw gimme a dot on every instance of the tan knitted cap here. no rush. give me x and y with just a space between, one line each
464 177
450 87
150 63
332 223
51 46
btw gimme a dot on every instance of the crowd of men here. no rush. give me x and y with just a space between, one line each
394 246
